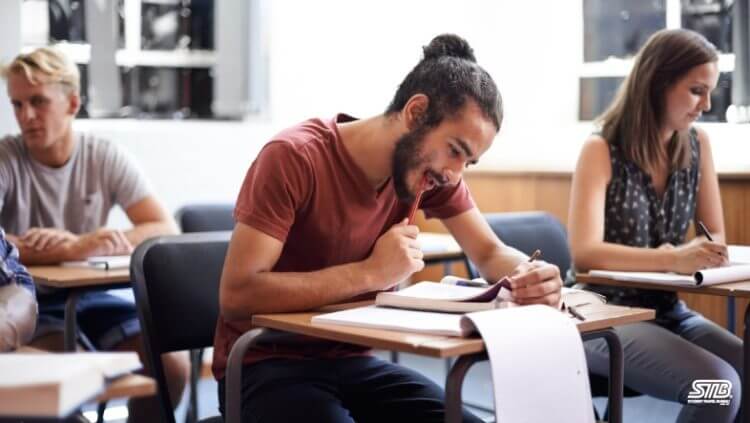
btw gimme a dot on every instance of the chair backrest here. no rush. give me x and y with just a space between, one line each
206 217
176 284
528 231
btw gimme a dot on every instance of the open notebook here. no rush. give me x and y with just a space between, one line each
450 295
408 319
101 262
53 385
737 270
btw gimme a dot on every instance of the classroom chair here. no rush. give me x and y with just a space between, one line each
202 218
176 284
528 231
206 217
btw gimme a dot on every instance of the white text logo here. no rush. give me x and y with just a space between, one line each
710 391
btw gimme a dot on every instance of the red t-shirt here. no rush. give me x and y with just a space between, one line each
305 190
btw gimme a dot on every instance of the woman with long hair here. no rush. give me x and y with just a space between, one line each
639 182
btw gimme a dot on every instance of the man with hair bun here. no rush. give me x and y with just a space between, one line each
57 187
322 218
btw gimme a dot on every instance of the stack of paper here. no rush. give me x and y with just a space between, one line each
401 320
54 385
718 275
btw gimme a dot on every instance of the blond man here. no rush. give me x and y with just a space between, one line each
57 187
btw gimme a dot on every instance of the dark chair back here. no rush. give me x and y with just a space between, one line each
176 284
206 217
528 231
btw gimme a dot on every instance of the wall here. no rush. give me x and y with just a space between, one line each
10 44
331 56
334 55
509 192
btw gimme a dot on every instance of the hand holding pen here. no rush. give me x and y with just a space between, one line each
698 254
536 282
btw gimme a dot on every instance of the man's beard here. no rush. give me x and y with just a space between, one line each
406 157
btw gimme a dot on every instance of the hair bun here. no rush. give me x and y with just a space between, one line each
449 45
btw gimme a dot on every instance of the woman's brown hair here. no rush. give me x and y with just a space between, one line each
634 119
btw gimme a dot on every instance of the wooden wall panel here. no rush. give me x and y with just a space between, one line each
505 192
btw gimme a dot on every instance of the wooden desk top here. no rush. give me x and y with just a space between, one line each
129 386
428 345
439 247
733 289
73 277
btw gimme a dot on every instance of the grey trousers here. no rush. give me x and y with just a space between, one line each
662 359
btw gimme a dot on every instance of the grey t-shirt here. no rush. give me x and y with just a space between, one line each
76 197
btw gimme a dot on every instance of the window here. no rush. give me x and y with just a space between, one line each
614 31
158 58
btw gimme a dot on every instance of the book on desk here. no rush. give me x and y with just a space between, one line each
439 308
54 385
101 262
452 295
737 270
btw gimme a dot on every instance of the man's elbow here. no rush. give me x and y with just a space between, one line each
168 226
171 228
230 308
233 304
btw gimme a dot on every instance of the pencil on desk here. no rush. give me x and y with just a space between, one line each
576 313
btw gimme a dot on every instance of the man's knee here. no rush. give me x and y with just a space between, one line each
299 403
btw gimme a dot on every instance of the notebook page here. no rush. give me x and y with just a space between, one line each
536 354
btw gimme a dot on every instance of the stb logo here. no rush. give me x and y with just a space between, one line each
710 391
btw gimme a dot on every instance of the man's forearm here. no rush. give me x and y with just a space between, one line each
31 257
276 292
500 263
144 231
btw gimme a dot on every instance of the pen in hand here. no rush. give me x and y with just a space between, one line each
417 199
535 255
705 231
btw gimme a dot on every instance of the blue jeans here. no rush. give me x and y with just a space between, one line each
662 358
106 320
362 389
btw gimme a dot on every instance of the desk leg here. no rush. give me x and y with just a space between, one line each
453 384
233 375
731 310
745 405
71 326
616 371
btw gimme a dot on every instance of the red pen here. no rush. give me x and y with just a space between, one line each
415 205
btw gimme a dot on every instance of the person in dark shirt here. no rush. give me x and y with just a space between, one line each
638 184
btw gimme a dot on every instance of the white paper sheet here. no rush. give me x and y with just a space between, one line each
539 371
423 322
437 243
739 254
726 274
101 262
